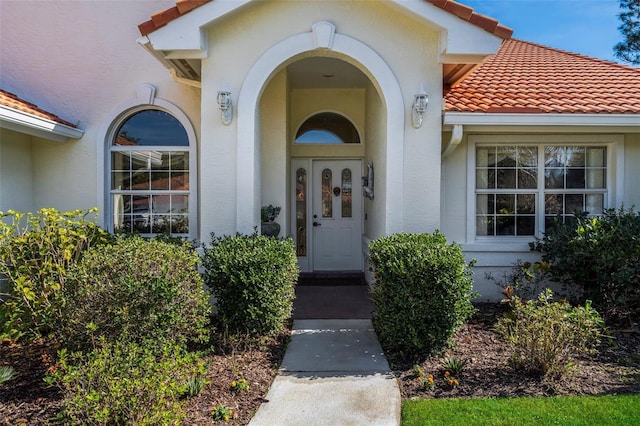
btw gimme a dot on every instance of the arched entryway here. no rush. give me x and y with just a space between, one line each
365 71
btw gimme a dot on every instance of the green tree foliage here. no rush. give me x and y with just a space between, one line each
629 49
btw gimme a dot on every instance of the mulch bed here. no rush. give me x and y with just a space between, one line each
27 400
614 370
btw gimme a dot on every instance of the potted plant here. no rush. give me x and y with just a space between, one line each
268 216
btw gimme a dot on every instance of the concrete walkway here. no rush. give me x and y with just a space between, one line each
333 373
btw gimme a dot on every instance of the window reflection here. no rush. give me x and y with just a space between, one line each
150 188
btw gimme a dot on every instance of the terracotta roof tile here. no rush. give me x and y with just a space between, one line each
162 18
10 100
528 77
462 11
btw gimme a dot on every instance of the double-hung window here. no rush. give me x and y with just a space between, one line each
149 168
521 189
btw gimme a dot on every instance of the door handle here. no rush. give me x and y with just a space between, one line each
316 224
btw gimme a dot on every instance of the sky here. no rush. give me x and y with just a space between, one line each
588 27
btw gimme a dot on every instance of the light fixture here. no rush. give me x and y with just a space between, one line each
224 103
419 107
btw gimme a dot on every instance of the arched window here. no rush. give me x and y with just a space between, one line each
149 174
327 128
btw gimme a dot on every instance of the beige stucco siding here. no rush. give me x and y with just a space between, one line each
16 176
631 174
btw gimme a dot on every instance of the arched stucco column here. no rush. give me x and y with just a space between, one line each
368 60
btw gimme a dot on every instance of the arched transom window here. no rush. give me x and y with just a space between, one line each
149 174
327 128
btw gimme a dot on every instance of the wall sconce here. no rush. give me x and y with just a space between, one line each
224 103
419 107
367 182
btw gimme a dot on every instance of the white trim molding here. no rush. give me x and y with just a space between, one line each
30 124
627 122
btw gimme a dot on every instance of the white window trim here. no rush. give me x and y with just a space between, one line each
145 100
615 181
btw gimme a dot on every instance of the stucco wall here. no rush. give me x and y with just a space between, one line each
631 172
237 41
16 171
274 149
81 61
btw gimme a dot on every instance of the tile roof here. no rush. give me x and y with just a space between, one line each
528 78
462 11
10 100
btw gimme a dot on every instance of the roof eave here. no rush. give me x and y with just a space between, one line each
30 124
540 119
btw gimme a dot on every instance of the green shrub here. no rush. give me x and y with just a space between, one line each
125 383
135 289
252 278
545 336
35 252
422 293
600 256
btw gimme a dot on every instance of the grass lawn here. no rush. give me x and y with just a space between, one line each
598 410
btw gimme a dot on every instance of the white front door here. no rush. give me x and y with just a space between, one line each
336 215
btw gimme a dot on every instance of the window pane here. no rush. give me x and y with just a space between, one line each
327 128
506 156
120 161
554 178
160 180
527 179
575 156
484 225
553 204
595 178
301 212
179 160
507 178
526 204
152 128
525 225
596 157
594 203
485 204
179 181
528 156
346 193
483 180
180 204
554 156
505 225
120 180
140 218
573 202
327 199
482 156
505 203
575 178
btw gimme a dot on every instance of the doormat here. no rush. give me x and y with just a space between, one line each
332 302
332 279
